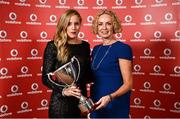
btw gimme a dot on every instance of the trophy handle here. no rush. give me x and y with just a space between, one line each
77 61
73 59
51 80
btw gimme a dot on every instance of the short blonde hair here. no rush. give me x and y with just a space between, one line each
116 22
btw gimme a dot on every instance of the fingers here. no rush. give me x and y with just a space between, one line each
103 102
100 105
99 102
72 91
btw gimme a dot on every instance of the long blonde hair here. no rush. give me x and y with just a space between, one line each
116 22
60 37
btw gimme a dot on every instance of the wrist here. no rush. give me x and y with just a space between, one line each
63 92
110 97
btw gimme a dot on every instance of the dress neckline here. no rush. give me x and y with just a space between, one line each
109 44
76 44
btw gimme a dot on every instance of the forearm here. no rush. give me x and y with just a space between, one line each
122 90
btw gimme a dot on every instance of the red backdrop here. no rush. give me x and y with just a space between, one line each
151 27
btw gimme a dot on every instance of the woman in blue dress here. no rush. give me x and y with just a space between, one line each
112 69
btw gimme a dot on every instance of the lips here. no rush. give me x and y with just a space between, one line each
104 32
73 32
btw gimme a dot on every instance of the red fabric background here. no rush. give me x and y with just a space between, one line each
151 27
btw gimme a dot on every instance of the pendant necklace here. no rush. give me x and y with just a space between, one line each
105 54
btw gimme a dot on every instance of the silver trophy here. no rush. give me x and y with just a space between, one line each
66 76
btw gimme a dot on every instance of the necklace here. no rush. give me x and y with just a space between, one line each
105 54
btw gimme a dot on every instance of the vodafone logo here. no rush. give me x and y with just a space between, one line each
168 16
157 68
33 17
43 34
81 35
118 35
147 51
137 67
148 18
157 103
22 0
159 1
167 52
177 105
157 34
3 71
34 52
14 52
3 34
24 69
53 18
14 89
177 69
147 85
99 2
44 103
4 108
34 86
177 34
138 2
167 87
119 2
80 2
43 1
90 19
137 101
24 105
41 68
12 16
62 2
147 117
128 18
137 34
23 34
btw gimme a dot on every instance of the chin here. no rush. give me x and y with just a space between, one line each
105 37
72 37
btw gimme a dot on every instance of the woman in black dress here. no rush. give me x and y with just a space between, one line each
64 101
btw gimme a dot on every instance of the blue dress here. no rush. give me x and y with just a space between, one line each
108 79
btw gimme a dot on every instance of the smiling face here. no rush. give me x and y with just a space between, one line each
105 26
73 27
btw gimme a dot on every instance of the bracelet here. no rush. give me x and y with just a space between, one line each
63 92
110 97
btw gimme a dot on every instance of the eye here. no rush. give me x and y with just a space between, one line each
109 23
77 23
100 24
69 23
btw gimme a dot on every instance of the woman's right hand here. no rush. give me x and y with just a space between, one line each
72 91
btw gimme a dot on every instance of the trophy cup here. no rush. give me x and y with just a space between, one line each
66 76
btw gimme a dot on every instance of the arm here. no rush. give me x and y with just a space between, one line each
49 61
126 71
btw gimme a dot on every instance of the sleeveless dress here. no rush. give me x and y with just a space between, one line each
108 78
64 106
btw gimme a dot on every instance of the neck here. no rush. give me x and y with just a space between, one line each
74 41
108 41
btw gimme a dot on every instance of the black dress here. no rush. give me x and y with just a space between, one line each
60 106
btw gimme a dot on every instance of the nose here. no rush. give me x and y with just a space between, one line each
73 26
104 26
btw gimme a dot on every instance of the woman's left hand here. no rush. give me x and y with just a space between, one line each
103 102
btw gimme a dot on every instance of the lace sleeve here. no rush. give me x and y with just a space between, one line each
49 62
